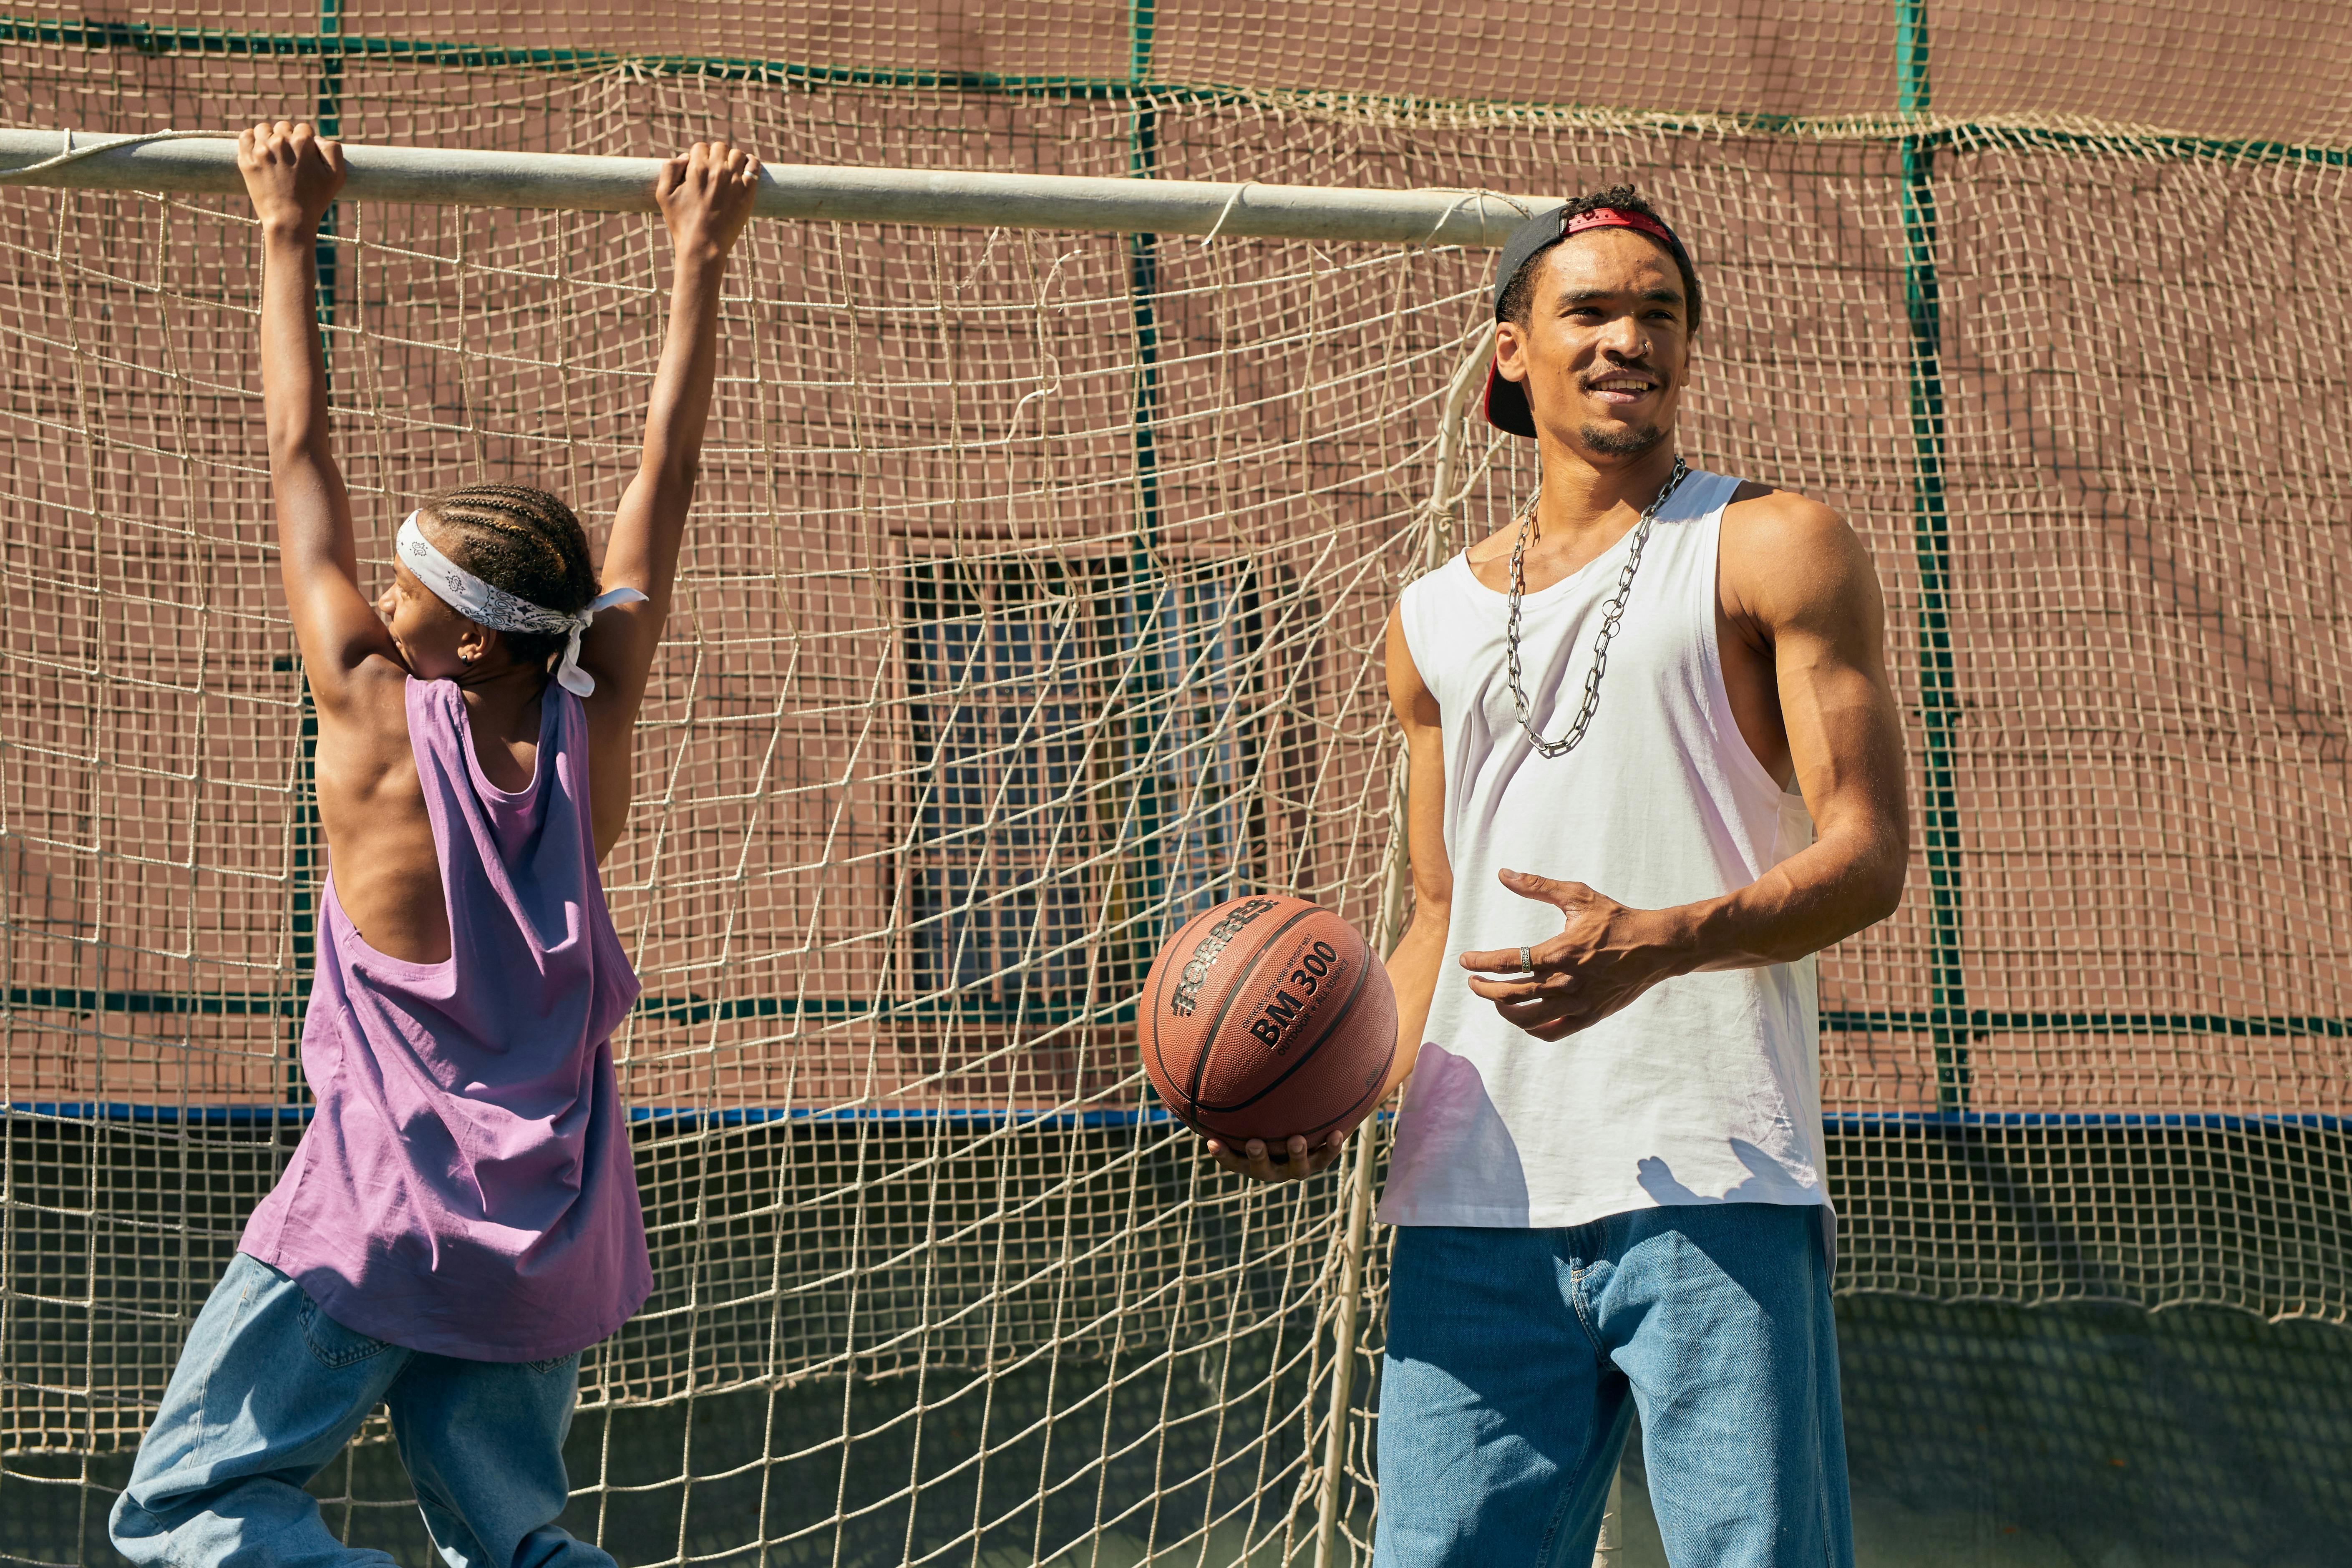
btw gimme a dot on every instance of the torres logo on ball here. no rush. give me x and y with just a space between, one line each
1269 1017
1293 996
1196 968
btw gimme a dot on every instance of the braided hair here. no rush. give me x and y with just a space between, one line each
525 542
1517 303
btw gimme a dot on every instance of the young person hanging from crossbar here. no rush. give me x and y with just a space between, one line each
460 1219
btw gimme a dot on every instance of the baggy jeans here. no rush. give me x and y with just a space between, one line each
267 1393
1516 1358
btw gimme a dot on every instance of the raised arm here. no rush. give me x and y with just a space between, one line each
705 199
292 176
1805 582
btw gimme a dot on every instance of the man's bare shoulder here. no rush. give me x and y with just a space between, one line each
1764 517
1408 692
1781 550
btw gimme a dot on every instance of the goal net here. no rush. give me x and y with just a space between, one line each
1033 603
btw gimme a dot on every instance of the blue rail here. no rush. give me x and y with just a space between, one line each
687 1118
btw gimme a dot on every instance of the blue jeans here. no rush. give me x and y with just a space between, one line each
268 1390
1516 1359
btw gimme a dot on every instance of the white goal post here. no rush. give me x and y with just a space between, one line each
205 164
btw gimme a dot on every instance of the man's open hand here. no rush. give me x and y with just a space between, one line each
292 174
1605 956
1255 1160
705 193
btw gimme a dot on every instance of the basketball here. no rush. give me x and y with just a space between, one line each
1267 1016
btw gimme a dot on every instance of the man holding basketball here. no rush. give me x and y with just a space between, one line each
1655 767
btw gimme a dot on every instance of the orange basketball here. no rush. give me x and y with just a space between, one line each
1267 1016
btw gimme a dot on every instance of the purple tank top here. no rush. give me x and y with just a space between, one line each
465 1186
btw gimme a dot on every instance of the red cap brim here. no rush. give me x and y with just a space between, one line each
1506 404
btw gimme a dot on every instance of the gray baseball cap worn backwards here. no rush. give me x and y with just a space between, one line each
1506 401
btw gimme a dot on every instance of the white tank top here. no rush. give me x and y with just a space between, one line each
1708 1088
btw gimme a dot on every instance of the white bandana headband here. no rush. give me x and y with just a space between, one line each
478 601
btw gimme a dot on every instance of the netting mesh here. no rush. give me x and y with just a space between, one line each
1032 604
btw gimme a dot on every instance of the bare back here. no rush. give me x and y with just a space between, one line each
371 805
359 654
380 844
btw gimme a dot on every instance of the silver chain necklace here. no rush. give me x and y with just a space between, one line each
1610 615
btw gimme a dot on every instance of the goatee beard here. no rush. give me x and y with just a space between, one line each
1622 443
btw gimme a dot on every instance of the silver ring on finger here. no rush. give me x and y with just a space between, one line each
1526 958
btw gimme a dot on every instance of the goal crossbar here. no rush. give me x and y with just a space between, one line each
457 177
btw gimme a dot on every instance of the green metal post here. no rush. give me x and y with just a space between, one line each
1144 610
1932 546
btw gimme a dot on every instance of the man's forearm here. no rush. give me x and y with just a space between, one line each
1818 896
1414 969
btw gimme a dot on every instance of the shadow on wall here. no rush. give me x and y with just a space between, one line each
1980 1436
1156 1468
2082 1437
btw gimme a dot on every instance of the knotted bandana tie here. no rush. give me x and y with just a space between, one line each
478 601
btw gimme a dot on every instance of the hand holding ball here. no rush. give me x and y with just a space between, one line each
1267 1018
